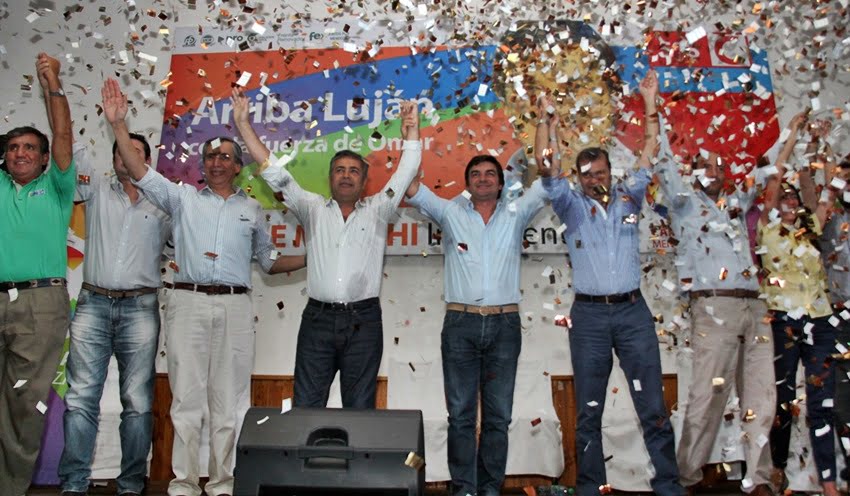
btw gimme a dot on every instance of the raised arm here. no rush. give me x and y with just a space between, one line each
411 159
547 150
773 183
256 148
821 206
58 111
649 91
115 111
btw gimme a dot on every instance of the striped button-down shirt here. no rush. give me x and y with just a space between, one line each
603 243
481 260
346 256
214 237
124 240
713 250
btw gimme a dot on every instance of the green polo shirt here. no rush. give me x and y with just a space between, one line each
34 224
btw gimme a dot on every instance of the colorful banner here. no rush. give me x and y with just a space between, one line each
316 91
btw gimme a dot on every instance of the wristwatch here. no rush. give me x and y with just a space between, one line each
59 92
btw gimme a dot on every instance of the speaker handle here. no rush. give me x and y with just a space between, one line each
306 452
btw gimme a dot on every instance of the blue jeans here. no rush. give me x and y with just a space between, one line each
129 328
479 353
789 350
628 329
351 341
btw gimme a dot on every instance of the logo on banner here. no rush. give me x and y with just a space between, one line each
189 41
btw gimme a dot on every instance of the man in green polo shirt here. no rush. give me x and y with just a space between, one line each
35 207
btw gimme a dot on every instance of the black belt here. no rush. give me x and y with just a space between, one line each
341 307
610 299
208 289
728 293
34 283
118 293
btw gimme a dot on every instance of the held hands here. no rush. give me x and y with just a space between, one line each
546 111
47 69
409 112
114 101
798 121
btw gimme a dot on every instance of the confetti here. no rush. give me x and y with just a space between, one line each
13 294
41 407
263 420
536 422
19 383
286 405
414 461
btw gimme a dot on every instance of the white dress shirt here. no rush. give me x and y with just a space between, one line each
346 256
124 240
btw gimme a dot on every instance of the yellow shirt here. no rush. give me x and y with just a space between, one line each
796 280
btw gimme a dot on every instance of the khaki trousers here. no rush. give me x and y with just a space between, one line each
739 350
32 333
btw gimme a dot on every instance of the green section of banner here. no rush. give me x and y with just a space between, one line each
310 167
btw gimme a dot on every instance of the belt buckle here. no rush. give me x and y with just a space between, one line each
482 311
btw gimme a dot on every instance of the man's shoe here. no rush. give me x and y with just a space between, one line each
778 481
74 493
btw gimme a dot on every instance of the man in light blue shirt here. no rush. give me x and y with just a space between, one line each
209 318
481 338
609 311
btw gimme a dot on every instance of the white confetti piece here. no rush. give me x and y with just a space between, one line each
258 28
823 430
41 407
828 403
637 386
747 483
762 440
547 271
286 405
482 89
19 383
592 404
838 183
150 58
32 17
13 294
718 381
696 34
263 420
244 78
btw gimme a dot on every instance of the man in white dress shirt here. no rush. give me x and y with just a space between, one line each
341 327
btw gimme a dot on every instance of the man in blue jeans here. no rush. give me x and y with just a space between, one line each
481 338
609 311
117 313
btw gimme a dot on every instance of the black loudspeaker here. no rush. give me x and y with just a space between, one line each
310 451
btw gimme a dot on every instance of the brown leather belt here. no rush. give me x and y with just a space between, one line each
33 283
208 289
118 293
729 293
483 310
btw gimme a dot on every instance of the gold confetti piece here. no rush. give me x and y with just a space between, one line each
414 461
605 489
536 422
81 179
462 247
174 266
210 254
718 381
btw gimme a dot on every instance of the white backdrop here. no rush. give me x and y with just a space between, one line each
98 38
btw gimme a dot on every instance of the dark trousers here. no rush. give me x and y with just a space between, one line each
350 341
628 329
842 391
791 345
480 354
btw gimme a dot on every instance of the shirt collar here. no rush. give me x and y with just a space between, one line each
330 201
236 191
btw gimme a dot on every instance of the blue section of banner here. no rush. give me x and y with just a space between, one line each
633 65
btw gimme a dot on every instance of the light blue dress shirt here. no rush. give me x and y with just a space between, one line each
481 260
214 237
603 243
714 248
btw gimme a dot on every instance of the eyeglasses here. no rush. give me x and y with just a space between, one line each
225 157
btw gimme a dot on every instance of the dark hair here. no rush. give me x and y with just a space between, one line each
478 159
24 130
844 164
589 155
237 149
138 137
350 154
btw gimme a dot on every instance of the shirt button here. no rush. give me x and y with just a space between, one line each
339 280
